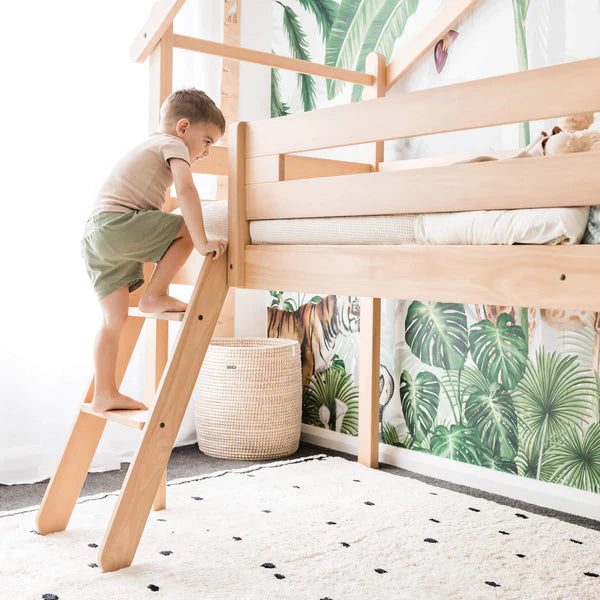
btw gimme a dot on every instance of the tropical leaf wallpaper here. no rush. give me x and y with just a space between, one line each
514 389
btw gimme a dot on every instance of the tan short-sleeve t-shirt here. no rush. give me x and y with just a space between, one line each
140 179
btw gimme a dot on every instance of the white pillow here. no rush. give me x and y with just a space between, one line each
519 226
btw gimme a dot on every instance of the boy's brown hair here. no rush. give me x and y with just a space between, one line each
191 104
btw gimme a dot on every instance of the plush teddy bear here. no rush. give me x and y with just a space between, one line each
571 135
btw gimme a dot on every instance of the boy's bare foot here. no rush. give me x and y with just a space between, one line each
158 304
118 401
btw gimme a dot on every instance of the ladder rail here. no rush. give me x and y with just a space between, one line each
145 472
65 485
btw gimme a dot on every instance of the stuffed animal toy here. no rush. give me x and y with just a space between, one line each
571 135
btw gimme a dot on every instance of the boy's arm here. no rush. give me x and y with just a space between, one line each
189 201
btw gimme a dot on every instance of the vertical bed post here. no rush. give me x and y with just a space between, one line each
239 230
156 334
370 314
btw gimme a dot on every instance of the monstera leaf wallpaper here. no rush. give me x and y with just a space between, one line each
513 389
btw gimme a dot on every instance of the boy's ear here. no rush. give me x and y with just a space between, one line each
182 126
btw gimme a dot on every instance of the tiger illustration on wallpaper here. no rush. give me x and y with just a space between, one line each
315 326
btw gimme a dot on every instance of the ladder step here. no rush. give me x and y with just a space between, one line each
134 311
132 418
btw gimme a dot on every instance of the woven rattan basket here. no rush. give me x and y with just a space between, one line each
248 398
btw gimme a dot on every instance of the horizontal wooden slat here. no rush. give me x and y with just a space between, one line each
270 60
280 167
525 96
132 418
161 17
214 164
435 30
438 161
525 275
134 311
307 167
504 184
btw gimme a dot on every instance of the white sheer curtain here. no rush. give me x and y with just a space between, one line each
72 103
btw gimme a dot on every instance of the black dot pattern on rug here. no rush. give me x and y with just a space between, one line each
474 509
591 574
434 520
430 540
504 532
521 515
331 523
35 531
369 503
268 565
164 520
248 474
345 544
380 571
433 493
520 555
296 486
49 597
93 565
576 541
153 587
92 545
493 583
265 510
326 598
237 539
197 498
356 480
279 576
166 552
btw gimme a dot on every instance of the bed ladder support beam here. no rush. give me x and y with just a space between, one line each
239 229
66 483
370 313
147 469
368 383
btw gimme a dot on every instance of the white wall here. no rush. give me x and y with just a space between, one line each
72 104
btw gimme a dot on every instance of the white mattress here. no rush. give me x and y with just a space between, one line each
522 226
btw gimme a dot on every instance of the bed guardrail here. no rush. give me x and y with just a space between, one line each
562 277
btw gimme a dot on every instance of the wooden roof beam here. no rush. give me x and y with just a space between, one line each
439 26
161 16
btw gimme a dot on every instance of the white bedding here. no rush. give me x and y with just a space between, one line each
522 226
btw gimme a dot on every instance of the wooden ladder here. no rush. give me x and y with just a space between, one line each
160 425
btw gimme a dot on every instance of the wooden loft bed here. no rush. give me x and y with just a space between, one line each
266 181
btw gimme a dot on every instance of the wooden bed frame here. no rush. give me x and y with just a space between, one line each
266 181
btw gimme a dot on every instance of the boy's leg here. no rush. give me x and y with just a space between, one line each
115 309
155 298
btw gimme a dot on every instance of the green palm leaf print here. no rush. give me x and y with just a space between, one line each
576 461
459 443
436 332
493 414
385 29
347 36
554 396
499 351
324 11
299 49
420 398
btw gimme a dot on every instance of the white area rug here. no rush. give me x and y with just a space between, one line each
307 529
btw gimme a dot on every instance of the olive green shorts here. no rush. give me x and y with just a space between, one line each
115 246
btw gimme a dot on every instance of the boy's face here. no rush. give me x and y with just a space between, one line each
198 137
